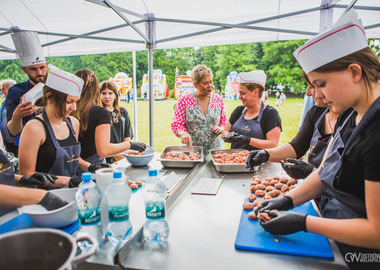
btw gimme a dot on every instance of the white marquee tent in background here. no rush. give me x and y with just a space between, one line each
76 27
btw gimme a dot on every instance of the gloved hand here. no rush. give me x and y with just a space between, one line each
93 167
52 202
229 138
37 180
280 203
296 168
139 146
284 222
234 137
255 158
75 181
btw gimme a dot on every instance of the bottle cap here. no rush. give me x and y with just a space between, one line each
86 176
152 172
117 174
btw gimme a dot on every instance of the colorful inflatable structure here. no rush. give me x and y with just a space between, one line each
232 86
160 87
183 84
124 84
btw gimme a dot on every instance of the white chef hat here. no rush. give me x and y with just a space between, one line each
28 48
33 94
346 36
64 82
256 76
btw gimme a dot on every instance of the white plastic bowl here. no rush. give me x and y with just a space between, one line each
57 218
143 160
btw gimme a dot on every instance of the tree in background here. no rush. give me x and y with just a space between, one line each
275 58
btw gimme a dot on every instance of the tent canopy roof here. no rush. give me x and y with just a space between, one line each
76 27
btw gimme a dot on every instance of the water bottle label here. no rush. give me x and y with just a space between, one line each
89 216
118 213
155 210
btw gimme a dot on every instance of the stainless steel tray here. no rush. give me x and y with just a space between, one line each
229 168
183 150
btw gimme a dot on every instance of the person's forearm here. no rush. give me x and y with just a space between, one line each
309 189
83 165
355 232
281 153
181 133
112 149
15 126
19 196
262 144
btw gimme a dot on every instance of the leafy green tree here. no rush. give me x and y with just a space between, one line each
280 65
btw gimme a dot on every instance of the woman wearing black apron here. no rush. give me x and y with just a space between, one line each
314 134
48 142
95 124
254 125
346 75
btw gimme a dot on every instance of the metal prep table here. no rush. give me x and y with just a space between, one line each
203 230
202 227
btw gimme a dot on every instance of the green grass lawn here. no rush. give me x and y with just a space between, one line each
290 113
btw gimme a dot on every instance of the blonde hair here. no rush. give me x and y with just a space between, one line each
111 86
89 97
199 72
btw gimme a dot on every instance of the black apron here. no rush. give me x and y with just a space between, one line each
317 145
250 128
66 161
7 177
337 204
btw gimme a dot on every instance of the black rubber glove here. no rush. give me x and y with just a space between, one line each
281 203
93 167
75 181
296 168
229 138
255 158
139 146
284 223
37 180
233 137
52 202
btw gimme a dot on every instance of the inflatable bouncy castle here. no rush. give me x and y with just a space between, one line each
124 84
232 86
160 87
183 84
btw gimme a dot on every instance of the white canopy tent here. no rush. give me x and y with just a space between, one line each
76 27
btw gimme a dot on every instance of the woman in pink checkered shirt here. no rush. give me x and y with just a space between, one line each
199 118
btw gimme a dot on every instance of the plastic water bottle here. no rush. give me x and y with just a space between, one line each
118 193
156 229
88 198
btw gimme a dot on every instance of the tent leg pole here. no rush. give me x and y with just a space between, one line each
151 95
135 126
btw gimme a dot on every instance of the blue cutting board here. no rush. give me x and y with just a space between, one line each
24 222
251 236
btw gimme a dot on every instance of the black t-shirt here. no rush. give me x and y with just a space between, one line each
301 142
269 120
47 152
122 129
98 116
361 159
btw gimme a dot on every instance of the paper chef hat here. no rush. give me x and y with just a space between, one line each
33 94
346 36
256 76
28 48
64 82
